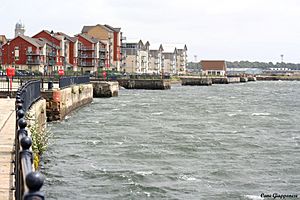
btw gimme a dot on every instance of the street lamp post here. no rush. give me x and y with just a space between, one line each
132 66
8 43
52 53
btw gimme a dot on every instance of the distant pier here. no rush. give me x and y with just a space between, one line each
147 84
205 81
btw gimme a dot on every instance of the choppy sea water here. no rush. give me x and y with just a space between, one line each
233 141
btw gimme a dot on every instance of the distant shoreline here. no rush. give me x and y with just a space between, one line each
278 78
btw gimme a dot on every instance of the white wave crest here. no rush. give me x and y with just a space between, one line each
254 197
261 114
144 173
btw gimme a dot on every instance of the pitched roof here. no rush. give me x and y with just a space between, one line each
112 28
89 38
132 41
66 36
3 39
155 47
43 41
169 48
213 65
178 46
32 41
85 29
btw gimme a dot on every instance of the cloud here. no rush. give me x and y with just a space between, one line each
233 29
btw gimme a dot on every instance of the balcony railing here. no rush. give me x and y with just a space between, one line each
102 56
86 55
87 64
33 53
85 48
33 62
73 80
102 49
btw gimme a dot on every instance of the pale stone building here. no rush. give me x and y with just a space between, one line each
155 59
137 56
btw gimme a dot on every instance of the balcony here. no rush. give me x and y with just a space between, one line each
102 57
80 55
33 53
87 64
102 49
33 62
85 48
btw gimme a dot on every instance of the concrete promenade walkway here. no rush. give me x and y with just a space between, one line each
7 137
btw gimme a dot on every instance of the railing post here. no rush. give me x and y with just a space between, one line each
34 182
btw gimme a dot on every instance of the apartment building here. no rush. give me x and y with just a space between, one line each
181 59
69 50
57 54
169 59
112 39
175 56
88 53
137 56
24 52
155 58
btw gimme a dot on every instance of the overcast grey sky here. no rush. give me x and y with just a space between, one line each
254 30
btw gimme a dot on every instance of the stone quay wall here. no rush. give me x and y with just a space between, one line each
148 84
61 102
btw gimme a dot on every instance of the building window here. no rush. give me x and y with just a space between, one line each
16 53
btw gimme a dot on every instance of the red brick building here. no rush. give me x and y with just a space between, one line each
24 52
56 53
88 53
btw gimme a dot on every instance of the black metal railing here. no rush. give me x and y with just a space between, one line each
29 93
27 181
73 80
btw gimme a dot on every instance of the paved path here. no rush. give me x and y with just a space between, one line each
7 137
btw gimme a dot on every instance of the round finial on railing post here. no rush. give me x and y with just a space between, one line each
20 114
18 100
34 182
19 106
22 123
22 127
26 143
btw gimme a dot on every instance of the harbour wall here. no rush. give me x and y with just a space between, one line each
150 84
61 102
36 116
105 89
